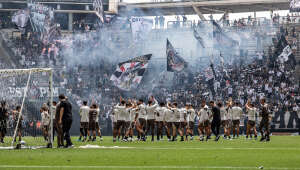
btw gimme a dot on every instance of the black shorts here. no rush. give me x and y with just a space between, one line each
127 125
251 123
236 122
159 123
84 125
3 126
169 125
183 124
97 126
177 125
120 123
46 127
19 126
190 125
225 123
114 125
142 122
204 124
92 125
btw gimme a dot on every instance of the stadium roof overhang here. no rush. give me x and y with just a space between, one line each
206 7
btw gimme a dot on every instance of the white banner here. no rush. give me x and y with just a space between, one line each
295 5
140 27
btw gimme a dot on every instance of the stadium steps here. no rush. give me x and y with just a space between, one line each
6 57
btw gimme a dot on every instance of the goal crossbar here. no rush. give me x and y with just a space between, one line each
12 72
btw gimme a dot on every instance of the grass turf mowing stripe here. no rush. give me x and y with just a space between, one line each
143 167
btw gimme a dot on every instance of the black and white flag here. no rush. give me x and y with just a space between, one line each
98 7
175 63
221 39
20 18
284 51
129 74
295 6
199 38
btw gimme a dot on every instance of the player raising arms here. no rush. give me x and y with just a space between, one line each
168 121
18 120
121 113
159 117
190 120
45 122
204 122
93 114
84 120
264 126
150 110
236 116
142 118
176 123
251 110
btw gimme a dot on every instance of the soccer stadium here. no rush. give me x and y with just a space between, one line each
150 84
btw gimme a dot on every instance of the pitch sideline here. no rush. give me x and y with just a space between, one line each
142 167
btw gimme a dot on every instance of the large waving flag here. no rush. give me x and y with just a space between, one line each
175 63
98 7
20 18
295 6
221 40
199 38
284 51
129 74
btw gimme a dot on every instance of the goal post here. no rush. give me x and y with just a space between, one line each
28 94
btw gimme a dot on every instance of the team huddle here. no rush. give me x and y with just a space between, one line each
130 115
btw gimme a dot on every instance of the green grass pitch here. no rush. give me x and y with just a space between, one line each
282 152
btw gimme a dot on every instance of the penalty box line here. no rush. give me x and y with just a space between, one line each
141 167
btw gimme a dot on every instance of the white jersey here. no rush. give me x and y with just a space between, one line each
98 113
128 114
133 113
45 118
53 111
191 115
223 113
168 115
237 112
229 113
203 114
182 114
160 113
114 116
121 112
84 113
150 110
142 111
252 114
176 113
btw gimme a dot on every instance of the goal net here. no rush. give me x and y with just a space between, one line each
26 119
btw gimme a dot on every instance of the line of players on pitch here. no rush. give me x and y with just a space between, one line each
130 115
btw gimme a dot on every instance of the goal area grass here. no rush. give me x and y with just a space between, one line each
282 152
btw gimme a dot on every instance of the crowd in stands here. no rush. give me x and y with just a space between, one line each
264 76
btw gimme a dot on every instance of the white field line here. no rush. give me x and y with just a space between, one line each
141 167
186 148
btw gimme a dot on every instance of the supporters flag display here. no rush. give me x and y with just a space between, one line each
295 6
20 18
221 40
198 38
129 74
284 51
98 7
175 63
